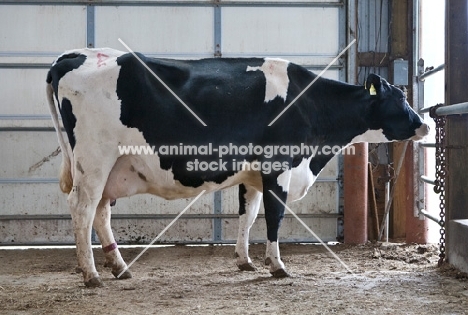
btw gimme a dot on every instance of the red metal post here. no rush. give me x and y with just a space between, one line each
355 195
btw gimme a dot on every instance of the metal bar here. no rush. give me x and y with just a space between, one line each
455 109
427 74
427 180
287 54
207 216
342 40
351 30
90 26
217 32
392 192
34 129
424 110
25 117
90 40
131 244
24 65
427 145
15 53
175 3
217 211
416 34
29 180
429 216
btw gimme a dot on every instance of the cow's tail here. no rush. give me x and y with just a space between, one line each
66 176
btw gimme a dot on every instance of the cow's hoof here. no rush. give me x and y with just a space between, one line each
247 267
126 275
280 273
94 283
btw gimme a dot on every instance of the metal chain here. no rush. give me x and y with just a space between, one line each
441 173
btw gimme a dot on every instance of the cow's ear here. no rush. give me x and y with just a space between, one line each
373 84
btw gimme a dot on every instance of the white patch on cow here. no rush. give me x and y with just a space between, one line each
297 181
372 136
302 179
273 256
276 75
421 133
284 179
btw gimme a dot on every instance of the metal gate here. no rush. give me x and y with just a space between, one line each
33 33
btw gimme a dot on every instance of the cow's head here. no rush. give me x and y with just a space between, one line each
390 112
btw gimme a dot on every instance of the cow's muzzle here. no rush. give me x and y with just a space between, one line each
421 132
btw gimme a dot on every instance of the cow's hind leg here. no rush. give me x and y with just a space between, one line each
91 174
83 209
249 204
106 237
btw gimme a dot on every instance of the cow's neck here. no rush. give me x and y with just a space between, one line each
342 111
343 114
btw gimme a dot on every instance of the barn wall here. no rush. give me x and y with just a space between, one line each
33 33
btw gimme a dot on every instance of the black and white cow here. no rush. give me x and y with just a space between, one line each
107 99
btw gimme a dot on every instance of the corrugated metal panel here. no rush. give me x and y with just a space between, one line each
291 32
29 155
23 91
373 26
162 31
41 29
373 33
306 32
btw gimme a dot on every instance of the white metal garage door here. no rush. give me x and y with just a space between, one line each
32 34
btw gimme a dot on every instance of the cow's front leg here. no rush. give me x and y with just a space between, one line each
106 237
249 204
83 209
274 213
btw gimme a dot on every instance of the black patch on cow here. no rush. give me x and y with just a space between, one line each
68 120
230 100
62 66
242 200
221 92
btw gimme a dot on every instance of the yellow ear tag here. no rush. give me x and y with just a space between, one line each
372 90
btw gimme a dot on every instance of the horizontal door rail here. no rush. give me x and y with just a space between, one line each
169 216
28 181
427 144
429 216
24 65
427 74
26 117
32 129
428 180
56 180
176 3
455 109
